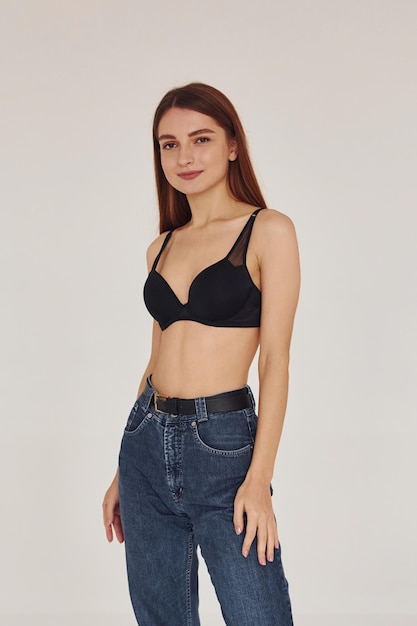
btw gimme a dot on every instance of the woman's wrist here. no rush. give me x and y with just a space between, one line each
260 475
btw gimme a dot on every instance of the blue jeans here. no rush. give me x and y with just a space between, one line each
178 477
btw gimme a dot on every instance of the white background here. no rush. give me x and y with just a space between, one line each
327 92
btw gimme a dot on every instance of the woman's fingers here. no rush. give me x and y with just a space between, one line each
262 538
113 522
256 504
108 520
272 541
238 520
250 534
111 513
117 525
109 532
266 538
276 538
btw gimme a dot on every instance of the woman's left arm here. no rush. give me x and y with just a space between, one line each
280 281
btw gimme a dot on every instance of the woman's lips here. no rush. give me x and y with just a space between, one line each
189 175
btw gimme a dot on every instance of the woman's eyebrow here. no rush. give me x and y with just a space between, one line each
202 131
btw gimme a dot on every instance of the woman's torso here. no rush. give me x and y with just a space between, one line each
194 358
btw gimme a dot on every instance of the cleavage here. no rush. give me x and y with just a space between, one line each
182 291
185 300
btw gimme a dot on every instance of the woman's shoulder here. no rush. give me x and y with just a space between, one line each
275 242
154 248
272 223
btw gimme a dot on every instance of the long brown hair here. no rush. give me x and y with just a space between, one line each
174 210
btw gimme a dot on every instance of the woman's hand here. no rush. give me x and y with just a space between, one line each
111 511
254 499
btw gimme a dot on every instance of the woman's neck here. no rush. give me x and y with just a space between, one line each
212 205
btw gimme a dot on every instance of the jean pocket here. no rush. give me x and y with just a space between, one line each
224 434
137 419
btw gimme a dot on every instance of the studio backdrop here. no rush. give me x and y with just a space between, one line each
327 94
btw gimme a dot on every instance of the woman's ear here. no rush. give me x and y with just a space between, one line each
233 150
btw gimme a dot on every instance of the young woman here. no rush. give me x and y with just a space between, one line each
196 461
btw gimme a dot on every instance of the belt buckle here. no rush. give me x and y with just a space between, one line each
155 400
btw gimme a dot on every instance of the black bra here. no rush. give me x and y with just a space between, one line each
222 294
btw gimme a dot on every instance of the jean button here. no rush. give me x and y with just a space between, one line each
193 423
149 415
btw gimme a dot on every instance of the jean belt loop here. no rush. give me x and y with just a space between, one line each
251 396
148 394
201 409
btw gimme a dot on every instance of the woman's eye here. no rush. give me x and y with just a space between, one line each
202 140
168 146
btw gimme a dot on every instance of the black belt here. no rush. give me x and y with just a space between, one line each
220 403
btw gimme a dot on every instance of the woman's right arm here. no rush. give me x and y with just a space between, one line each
111 508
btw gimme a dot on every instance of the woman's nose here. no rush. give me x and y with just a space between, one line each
185 156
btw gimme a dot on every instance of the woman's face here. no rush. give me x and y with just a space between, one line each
195 151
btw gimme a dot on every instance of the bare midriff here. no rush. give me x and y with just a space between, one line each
196 360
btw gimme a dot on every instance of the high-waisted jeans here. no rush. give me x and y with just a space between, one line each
178 477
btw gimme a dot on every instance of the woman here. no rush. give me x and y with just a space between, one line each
191 471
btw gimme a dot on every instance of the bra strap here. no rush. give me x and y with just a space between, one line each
255 213
248 230
158 256
237 255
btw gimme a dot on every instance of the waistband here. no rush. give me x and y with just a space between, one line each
233 400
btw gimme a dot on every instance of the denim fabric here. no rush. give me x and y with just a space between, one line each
178 477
